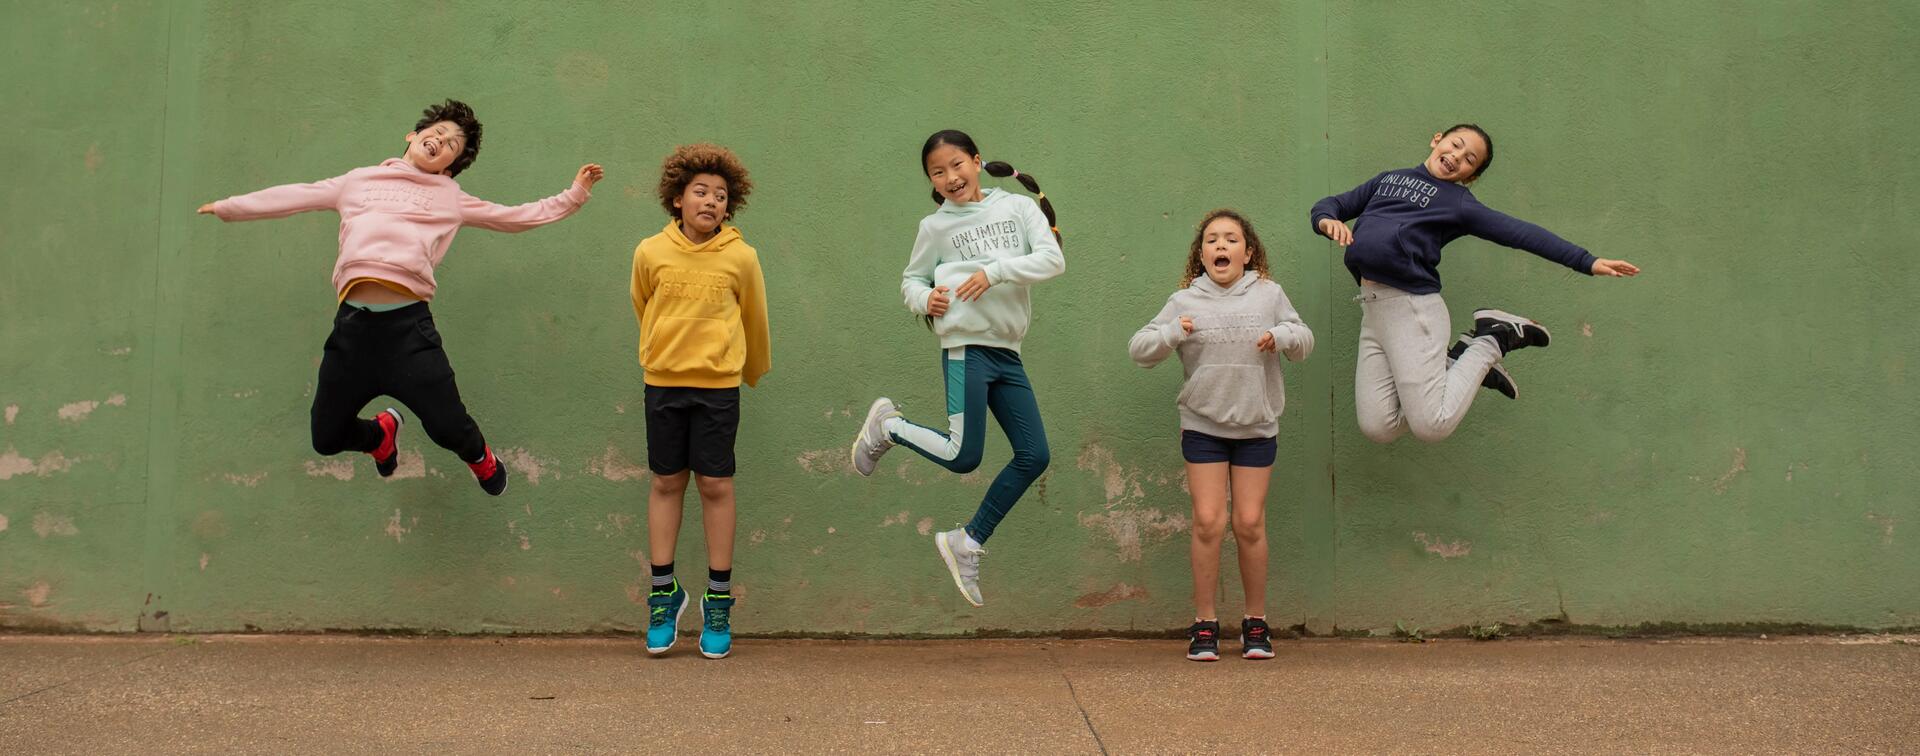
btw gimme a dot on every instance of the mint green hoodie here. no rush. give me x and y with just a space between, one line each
1004 234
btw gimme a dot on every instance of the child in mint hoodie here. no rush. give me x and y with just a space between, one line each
397 220
969 274
1231 323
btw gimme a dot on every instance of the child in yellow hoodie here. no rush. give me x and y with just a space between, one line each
702 307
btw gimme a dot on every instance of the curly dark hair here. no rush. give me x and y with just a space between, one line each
1256 252
689 160
462 116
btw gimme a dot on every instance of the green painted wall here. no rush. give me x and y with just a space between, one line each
1724 439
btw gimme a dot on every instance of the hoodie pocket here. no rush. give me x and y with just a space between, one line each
1228 394
1376 234
691 345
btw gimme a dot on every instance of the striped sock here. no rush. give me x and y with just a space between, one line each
720 581
662 575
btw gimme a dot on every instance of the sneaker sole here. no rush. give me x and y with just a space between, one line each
1256 654
853 453
399 421
721 655
676 628
1203 657
953 568
1518 322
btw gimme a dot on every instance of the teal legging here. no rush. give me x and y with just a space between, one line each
982 379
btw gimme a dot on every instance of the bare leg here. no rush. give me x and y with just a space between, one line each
1250 533
717 515
1208 482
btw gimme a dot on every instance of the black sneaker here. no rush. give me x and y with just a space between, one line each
1203 641
1256 639
386 459
1497 378
1512 331
491 472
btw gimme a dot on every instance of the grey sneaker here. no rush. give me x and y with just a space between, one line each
873 440
964 563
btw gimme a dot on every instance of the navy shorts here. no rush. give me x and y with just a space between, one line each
1200 448
692 428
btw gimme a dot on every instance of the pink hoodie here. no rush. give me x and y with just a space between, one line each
396 221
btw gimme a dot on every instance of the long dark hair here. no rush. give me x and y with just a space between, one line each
996 168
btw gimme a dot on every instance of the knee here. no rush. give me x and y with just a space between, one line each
1250 529
968 461
1036 459
670 485
712 489
1209 528
1381 431
1429 432
327 438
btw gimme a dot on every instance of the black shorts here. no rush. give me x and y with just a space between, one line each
1200 448
692 428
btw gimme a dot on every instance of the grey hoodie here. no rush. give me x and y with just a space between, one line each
1233 389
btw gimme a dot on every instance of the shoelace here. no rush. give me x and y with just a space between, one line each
659 614
717 619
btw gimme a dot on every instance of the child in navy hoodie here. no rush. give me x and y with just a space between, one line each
1407 379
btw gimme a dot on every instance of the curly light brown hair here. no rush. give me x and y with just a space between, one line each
689 160
1256 252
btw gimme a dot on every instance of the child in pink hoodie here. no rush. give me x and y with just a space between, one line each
396 221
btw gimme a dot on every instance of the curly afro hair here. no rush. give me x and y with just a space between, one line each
462 116
689 160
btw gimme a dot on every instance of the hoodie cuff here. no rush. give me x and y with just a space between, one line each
1172 334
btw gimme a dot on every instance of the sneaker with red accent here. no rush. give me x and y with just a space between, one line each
1203 641
491 472
386 458
1256 639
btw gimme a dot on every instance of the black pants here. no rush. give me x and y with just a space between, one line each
398 354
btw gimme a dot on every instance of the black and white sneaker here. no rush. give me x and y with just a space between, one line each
1256 639
1203 641
1512 331
1497 378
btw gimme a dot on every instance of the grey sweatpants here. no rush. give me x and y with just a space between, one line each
1401 381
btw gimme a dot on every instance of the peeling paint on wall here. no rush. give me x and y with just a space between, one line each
1443 549
12 464
47 524
338 469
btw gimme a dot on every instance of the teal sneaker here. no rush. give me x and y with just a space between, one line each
716 634
664 608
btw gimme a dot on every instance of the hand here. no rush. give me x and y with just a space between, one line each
937 301
973 287
588 174
1336 231
1186 324
1266 343
1615 268
206 209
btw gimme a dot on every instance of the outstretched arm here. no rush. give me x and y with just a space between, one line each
480 213
277 201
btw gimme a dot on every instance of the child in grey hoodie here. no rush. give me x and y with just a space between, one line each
1230 323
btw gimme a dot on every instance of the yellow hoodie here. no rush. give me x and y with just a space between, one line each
702 310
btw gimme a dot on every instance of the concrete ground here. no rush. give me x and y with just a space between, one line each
335 694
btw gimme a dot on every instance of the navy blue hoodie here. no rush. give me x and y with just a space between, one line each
1407 215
